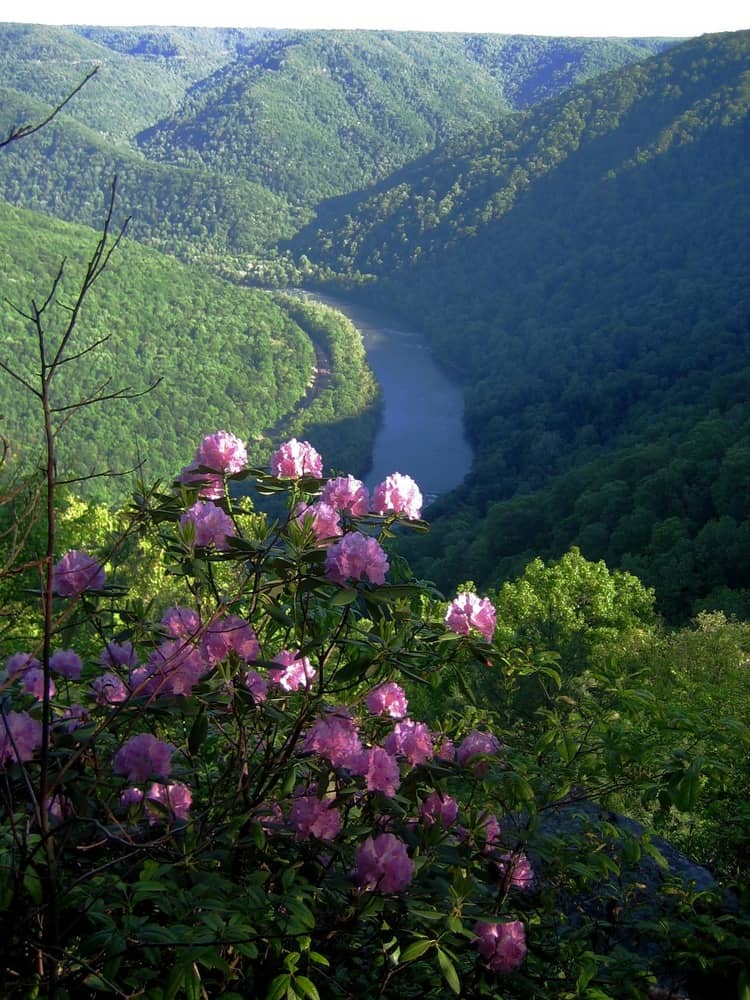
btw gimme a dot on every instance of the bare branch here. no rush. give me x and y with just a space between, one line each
19 378
96 265
25 130
100 475
125 393
86 350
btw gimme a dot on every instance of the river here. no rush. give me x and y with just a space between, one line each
422 432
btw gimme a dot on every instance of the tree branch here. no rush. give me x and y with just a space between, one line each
25 130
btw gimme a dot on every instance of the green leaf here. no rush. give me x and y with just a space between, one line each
198 733
416 949
353 670
342 597
278 987
449 972
307 986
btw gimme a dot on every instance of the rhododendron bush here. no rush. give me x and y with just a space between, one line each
237 785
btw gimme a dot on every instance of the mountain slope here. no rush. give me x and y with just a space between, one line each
66 170
312 114
585 266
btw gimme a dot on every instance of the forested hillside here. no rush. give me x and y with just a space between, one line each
226 357
585 268
66 169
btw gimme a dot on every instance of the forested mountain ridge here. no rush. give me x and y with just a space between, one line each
451 195
312 114
586 268
143 73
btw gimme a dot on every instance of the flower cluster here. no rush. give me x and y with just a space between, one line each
295 671
383 863
295 459
223 454
75 573
398 494
142 756
387 699
501 945
211 525
347 495
468 611
354 557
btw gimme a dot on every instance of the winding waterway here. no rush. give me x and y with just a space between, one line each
422 432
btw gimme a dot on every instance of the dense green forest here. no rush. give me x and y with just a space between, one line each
236 124
585 268
226 357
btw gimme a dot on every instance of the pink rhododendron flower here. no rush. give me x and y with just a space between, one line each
412 740
382 864
296 672
211 483
174 668
335 738
468 610
296 458
66 663
142 756
515 870
131 798
257 686
20 736
387 699
314 817
19 662
33 683
446 751
437 808
109 690
212 525
380 770
230 635
270 817
77 571
322 518
175 798
119 655
356 556
347 494
222 451
476 744
181 623
502 946
398 494
490 832
74 716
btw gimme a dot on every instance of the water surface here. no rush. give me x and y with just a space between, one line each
422 431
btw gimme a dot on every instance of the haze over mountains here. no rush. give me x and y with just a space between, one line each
566 219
